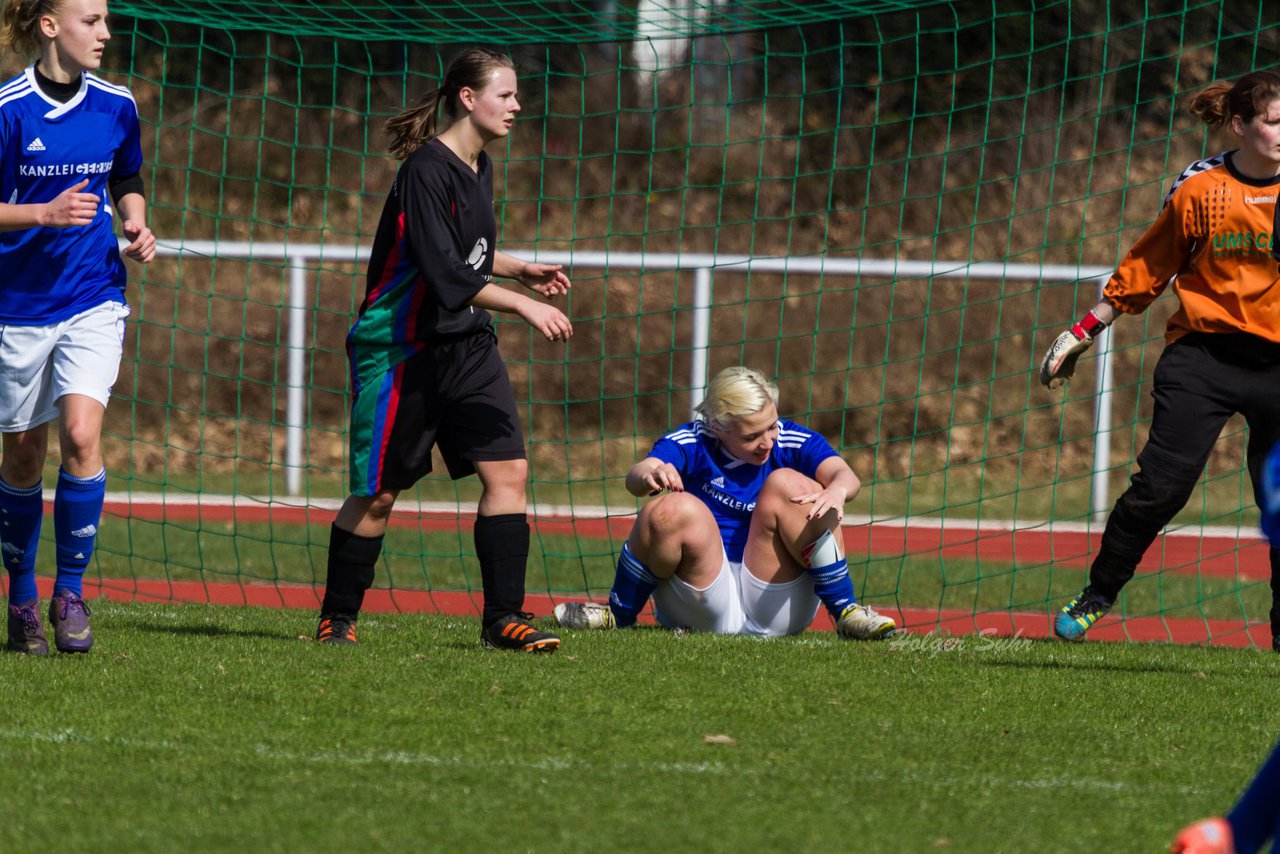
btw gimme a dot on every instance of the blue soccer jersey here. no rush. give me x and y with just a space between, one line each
46 147
728 486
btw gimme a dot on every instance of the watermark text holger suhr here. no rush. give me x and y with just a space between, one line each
937 642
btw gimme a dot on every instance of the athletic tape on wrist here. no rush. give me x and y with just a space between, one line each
1088 326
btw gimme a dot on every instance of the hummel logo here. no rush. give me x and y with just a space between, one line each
86 531
718 482
35 145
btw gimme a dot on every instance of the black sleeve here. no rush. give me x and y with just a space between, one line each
432 239
124 185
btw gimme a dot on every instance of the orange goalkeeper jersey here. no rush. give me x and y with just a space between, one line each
1213 240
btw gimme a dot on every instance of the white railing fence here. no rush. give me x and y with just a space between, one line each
303 258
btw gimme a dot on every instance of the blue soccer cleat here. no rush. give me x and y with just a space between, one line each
1079 615
69 616
26 634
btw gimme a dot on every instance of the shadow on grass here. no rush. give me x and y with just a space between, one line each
209 631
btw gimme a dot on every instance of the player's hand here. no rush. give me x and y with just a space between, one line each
548 320
663 477
71 207
142 246
830 498
1059 364
1211 836
548 280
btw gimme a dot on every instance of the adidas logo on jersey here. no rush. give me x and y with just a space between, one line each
718 482
35 145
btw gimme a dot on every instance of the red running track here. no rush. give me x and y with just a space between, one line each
1216 554
1219 553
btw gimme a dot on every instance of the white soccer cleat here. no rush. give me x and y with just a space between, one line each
860 622
585 615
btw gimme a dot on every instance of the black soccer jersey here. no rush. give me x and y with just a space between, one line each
432 254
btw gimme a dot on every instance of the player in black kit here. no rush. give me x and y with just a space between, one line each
425 367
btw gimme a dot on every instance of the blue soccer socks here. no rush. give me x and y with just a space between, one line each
21 514
77 510
633 584
833 586
830 573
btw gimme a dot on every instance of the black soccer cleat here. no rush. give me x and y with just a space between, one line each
336 629
514 632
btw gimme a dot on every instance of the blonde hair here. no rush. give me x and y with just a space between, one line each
1216 103
735 392
416 126
20 21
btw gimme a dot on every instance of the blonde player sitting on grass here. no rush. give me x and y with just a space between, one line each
741 536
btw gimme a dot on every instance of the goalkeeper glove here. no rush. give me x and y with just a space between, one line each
1059 364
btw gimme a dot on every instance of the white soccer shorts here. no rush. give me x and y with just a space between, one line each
715 608
39 364
737 603
774 610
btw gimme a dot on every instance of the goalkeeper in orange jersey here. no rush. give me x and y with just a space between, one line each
1214 240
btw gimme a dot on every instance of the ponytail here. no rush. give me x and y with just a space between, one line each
1210 104
413 128
1219 102
20 22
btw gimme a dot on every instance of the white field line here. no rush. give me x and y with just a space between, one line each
596 511
555 764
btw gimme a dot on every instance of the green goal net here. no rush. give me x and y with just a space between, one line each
891 207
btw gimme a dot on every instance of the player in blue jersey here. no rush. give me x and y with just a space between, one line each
70 163
1255 818
425 366
742 535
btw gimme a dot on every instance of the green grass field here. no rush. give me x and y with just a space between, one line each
224 729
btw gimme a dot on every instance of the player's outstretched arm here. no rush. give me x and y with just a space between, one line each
1059 363
547 319
548 280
